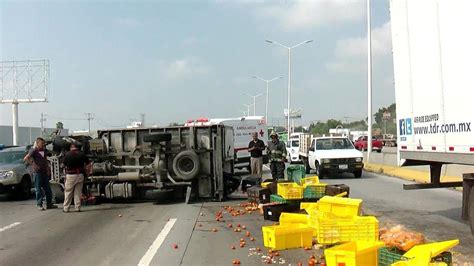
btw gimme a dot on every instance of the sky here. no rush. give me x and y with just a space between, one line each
180 60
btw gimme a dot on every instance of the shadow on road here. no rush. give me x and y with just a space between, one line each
453 214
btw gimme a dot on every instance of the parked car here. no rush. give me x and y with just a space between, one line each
14 174
361 144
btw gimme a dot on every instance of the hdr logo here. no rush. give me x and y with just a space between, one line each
405 126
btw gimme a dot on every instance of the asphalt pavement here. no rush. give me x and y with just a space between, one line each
188 234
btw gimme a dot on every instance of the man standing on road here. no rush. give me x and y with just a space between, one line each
256 147
37 157
75 162
276 151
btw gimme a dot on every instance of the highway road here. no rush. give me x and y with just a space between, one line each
145 233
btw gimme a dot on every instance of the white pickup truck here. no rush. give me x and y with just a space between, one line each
330 155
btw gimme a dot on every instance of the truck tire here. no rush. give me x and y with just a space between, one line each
358 174
159 195
319 172
307 167
59 198
186 165
157 137
379 151
23 190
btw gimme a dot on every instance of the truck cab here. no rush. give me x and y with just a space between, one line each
333 155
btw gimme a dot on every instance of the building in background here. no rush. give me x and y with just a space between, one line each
26 135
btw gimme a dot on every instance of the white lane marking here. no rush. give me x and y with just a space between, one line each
145 261
9 226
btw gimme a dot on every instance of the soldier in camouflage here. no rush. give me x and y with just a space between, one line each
276 151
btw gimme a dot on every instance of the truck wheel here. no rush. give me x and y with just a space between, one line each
157 137
307 167
358 174
159 195
319 171
379 151
59 198
186 165
23 190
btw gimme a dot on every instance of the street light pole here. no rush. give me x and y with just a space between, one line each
369 83
254 101
289 76
248 108
266 104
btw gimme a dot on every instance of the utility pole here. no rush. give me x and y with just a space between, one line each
89 118
42 120
142 115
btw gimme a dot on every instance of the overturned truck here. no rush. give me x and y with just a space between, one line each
153 163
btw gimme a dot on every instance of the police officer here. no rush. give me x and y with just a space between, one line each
276 151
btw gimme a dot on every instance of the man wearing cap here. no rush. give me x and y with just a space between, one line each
276 151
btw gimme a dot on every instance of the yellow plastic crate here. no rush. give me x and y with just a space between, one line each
359 253
308 206
279 237
290 190
265 184
340 206
287 218
312 180
332 229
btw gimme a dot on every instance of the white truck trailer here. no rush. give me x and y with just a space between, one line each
433 56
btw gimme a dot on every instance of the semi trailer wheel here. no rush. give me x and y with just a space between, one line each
157 137
186 165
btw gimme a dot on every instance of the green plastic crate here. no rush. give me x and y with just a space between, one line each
277 199
387 257
316 191
295 173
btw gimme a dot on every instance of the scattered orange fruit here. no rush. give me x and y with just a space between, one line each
214 230
252 239
175 246
247 233
232 247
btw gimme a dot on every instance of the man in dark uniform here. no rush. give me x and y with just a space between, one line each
75 162
276 151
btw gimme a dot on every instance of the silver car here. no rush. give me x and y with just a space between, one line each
14 174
